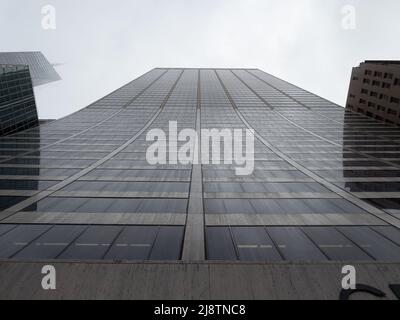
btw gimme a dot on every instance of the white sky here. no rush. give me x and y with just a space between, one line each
105 44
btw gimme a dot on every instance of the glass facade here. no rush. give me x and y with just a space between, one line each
325 184
41 70
17 101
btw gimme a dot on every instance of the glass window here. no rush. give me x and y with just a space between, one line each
6 202
134 243
219 244
335 245
168 243
25 184
128 186
385 204
50 244
295 245
4 228
391 233
18 238
254 244
372 242
92 244
117 205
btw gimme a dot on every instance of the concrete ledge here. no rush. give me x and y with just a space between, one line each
181 280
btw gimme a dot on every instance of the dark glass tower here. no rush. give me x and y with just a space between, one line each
17 102
41 70
325 186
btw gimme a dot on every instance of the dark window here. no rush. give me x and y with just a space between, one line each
384 97
295 245
134 243
391 233
168 243
254 244
18 238
92 244
25 184
388 75
219 244
335 245
381 108
4 228
111 186
394 100
373 94
6 202
116 205
376 83
386 204
51 244
376 245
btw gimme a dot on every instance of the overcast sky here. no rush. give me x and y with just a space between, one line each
103 44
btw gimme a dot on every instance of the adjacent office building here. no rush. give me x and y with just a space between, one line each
325 187
42 71
17 102
375 90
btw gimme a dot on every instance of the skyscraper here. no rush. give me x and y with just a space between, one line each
325 187
375 90
41 70
17 102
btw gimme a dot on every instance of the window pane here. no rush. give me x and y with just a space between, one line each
295 245
92 244
254 244
168 243
134 243
219 244
335 245
51 244
373 243
18 238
